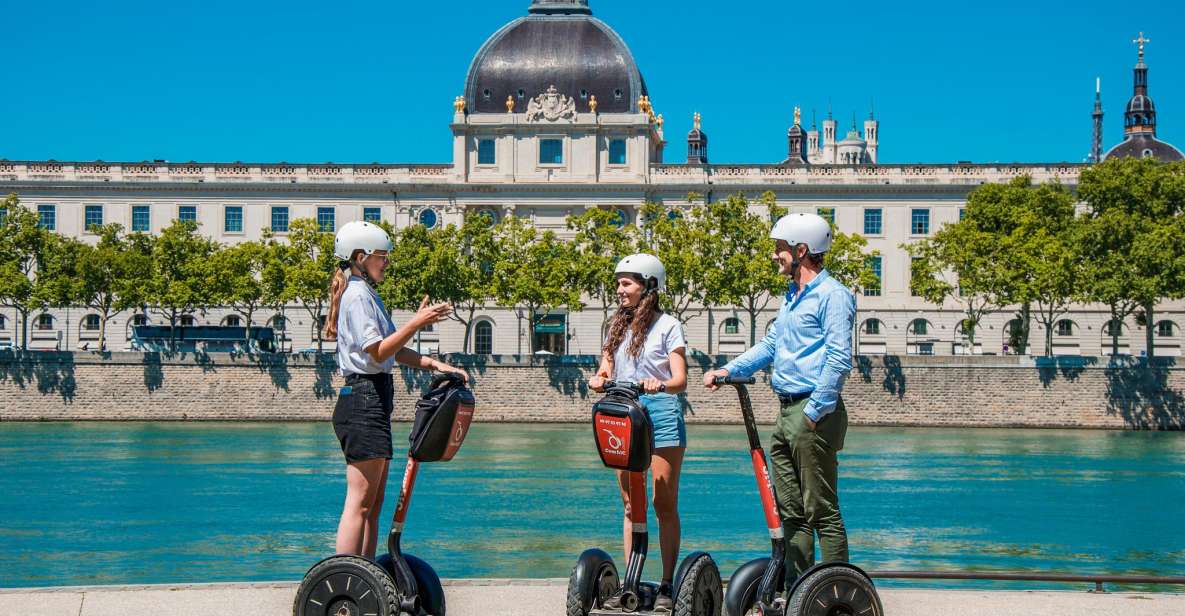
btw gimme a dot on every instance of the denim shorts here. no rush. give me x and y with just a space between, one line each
666 416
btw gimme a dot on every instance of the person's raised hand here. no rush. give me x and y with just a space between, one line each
431 314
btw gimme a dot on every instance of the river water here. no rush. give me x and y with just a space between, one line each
123 503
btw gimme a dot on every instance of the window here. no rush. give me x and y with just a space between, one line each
1164 329
44 321
483 338
486 154
913 267
232 219
186 320
551 151
428 218
873 221
279 219
828 214
874 290
1112 328
47 216
617 151
187 213
139 319
919 222
327 219
1065 327
92 216
491 217
3 322
90 322
919 327
279 323
732 325
233 321
141 218
926 348
3 215
372 214
962 213
872 327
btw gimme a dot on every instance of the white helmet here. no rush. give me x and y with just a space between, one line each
359 235
646 266
810 229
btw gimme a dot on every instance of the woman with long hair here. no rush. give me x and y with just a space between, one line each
368 345
647 347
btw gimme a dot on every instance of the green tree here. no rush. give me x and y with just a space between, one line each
533 272
309 268
179 282
468 269
600 242
848 261
236 279
277 258
109 275
958 263
741 270
1133 238
22 247
679 238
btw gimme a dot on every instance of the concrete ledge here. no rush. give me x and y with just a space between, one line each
503 597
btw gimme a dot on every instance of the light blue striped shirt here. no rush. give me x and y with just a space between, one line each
810 345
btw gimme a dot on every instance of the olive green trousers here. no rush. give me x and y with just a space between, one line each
805 471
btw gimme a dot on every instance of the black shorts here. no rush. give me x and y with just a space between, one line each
362 417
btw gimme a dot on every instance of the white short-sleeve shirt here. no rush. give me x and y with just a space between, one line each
362 320
665 337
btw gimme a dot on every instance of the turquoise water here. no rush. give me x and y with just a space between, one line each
144 503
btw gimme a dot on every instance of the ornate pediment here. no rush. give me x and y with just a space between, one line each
551 106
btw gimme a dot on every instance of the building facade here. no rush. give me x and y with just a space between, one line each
555 118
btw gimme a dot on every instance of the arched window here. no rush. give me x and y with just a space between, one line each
90 323
1065 327
45 321
428 218
1166 329
732 325
1113 328
483 338
232 320
279 323
186 320
3 322
919 327
872 327
139 319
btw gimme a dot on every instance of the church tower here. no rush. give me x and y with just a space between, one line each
1139 119
697 144
796 142
871 129
812 140
829 139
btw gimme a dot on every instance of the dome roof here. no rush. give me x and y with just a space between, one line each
1142 145
558 43
1140 104
852 138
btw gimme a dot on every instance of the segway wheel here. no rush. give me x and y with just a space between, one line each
346 586
835 590
594 579
428 586
699 592
743 586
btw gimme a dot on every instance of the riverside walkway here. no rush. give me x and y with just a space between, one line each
492 597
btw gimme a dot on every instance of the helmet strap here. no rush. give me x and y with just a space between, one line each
362 271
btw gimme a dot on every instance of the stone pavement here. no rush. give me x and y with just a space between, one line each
544 597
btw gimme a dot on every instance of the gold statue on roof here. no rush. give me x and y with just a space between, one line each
797 116
592 103
695 119
510 104
658 120
459 104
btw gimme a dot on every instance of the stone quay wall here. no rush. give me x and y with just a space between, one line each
1071 392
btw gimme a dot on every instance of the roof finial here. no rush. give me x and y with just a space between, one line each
797 116
696 120
872 109
1141 41
814 123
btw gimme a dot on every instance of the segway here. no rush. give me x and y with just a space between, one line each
827 589
395 583
623 435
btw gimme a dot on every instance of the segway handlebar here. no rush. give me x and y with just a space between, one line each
635 387
734 380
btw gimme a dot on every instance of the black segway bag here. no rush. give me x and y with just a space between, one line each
623 431
442 420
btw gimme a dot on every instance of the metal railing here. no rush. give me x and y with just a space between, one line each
1008 576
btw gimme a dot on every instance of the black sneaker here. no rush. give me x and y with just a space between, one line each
664 603
612 603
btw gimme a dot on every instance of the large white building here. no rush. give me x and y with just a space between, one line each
555 118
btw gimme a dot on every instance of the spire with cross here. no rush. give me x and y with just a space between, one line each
1141 41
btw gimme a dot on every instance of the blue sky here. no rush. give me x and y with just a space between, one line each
264 80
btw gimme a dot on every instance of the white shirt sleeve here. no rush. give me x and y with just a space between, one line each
364 322
674 338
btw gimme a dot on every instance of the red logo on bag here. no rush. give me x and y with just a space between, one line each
459 430
613 440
